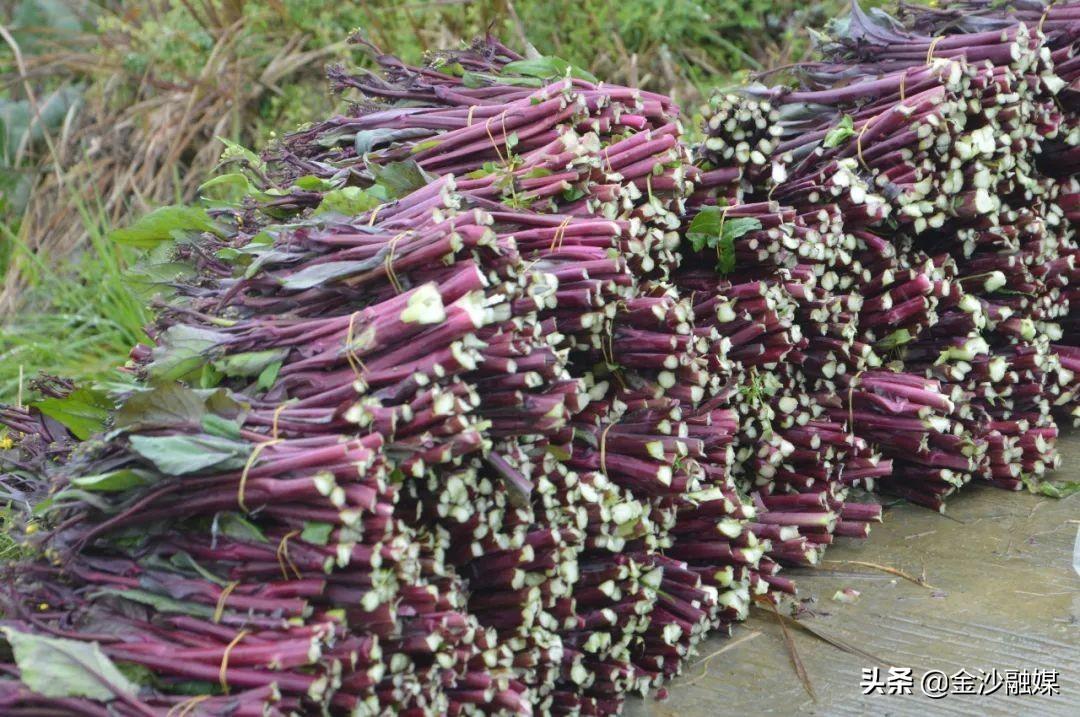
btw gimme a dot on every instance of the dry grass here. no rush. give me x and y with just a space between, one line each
129 149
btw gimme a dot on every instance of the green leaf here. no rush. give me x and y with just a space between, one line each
228 189
161 603
83 412
711 230
840 133
237 527
400 178
184 561
268 376
573 194
704 230
348 201
250 363
195 688
317 274
1055 489
473 80
139 674
317 533
311 183
181 349
162 407
235 152
118 480
182 454
54 667
162 225
548 68
220 426
425 145
895 340
209 377
368 139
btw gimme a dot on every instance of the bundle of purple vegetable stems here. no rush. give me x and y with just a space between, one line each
497 394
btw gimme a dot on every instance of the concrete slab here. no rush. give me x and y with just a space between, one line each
1005 596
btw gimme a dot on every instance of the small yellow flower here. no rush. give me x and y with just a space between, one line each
6 443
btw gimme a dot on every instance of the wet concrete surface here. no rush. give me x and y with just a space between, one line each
1005 596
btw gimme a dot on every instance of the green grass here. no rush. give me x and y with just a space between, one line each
81 316
10 548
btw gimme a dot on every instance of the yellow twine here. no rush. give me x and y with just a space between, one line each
560 232
494 144
222 599
903 85
374 215
184 708
933 46
468 119
247 468
851 401
1039 27
355 363
223 670
608 347
283 556
277 414
858 141
389 263
603 449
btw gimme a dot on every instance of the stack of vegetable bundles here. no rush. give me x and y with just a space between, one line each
497 394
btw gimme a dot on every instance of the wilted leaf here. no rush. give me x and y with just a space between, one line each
237 527
55 667
400 178
369 139
1052 489
161 603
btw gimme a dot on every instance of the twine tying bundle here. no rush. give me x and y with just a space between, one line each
247 469
226 591
224 669
283 556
